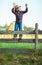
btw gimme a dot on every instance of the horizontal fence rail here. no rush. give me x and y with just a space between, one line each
20 41
16 50
15 32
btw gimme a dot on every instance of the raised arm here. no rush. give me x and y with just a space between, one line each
26 9
13 9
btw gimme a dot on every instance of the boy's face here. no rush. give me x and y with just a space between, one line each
19 9
16 9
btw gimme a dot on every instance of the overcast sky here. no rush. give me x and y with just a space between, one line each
34 15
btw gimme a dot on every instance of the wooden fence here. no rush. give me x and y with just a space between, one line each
23 32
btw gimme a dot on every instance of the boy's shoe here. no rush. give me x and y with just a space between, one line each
20 36
15 35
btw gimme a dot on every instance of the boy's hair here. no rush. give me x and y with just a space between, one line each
16 7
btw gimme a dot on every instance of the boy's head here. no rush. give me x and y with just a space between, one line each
18 8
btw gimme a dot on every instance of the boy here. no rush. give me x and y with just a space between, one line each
19 15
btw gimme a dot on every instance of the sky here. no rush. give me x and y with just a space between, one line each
34 14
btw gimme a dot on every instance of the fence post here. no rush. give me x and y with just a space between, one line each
36 36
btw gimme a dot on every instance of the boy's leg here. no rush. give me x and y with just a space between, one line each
16 29
20 29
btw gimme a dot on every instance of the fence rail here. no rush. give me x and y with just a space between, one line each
15 32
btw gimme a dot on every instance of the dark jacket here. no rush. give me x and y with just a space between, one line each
19 15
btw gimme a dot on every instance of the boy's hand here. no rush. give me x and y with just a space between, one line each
26 5
14 5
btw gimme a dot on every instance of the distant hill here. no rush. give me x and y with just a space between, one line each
3 27
28 28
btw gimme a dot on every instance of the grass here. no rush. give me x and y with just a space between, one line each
29 58
19 45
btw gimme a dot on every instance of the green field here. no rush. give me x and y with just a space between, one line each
20 45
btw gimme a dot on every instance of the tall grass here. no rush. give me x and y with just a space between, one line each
29 58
